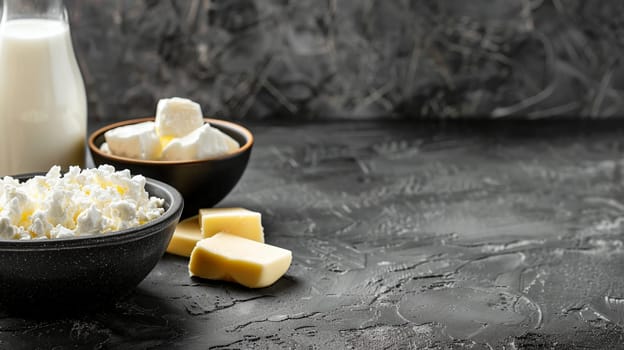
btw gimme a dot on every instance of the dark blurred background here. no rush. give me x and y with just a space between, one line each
356 59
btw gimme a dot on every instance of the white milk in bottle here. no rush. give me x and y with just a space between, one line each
43 110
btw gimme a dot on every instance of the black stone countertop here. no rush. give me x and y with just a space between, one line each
404 235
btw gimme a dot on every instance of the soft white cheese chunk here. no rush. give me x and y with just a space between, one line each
137 141
177 117
202 143
104 148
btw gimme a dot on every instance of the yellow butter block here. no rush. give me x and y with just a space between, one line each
232 258
186 235
237 221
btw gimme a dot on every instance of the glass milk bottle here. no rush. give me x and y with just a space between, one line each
43 108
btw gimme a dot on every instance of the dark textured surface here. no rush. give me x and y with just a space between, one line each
403 236
353 58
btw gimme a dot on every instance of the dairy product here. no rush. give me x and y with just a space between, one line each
138 141
186 235
201 143
232 258
237 221
177 117
177 134
43 109
78 203
232 255
104 148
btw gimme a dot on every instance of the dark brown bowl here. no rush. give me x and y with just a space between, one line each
71 274
203 183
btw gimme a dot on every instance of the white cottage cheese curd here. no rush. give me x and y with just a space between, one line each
78 203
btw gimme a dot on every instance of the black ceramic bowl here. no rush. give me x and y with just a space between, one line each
70 274
203 183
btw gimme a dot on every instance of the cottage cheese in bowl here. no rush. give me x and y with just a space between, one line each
77 203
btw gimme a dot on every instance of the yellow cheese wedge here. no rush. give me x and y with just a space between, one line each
237 221
232 258
186 234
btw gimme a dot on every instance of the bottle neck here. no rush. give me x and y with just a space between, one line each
33 9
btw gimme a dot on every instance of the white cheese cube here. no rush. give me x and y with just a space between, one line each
202 143
213 142
104 148
137 141
177 117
